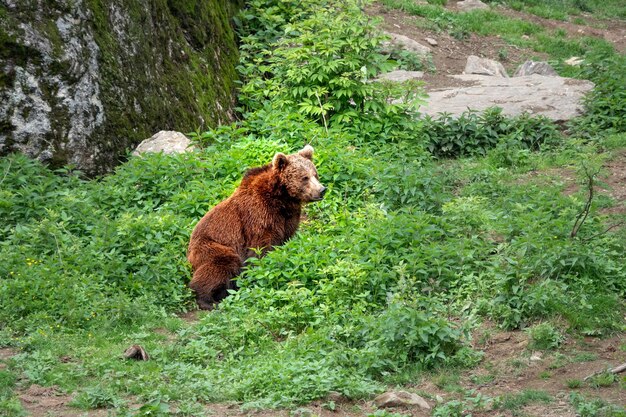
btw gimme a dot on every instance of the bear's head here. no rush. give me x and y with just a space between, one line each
298 174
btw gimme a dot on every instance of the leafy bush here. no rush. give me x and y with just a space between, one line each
544 336
606 104
473 133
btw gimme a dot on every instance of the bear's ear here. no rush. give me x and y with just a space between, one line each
280 161
306 152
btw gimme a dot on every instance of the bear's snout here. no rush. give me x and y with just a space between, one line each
320 194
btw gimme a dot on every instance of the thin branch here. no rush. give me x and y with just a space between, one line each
608 229
582 216
616 370
7 171
323 113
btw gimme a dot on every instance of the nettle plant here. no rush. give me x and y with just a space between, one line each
323 67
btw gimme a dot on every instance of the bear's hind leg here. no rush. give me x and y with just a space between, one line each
214 277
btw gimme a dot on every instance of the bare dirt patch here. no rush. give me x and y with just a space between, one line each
41 401
348 409
6 353
616 184
191 317
450 54
514 368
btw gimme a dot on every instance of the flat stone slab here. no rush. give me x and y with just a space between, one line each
556 98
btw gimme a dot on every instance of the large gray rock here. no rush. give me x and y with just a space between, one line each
401 76
400 398
81 81
469 5
535 67
557 98
406 43
484 66
166 141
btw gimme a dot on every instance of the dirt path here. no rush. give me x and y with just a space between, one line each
450 54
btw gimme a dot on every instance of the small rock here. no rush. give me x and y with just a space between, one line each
166 141
574 61
400 398
136 352
525 37
535 67
431 41
484 66
468 5
439 398
536 356
406 43
401 76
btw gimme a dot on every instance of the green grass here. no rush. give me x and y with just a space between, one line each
514 402
562 9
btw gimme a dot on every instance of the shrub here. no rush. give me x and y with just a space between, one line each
544 336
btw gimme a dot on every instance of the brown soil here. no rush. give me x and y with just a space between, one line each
41 401
616 184
450 54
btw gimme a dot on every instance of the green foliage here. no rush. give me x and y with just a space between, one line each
595 407
544 336
605 379
516 401
321 66
96 397
10 405
606 104
473 133
574 383
459 408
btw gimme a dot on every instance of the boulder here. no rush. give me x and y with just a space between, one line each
557 98
81 81
401 76
166 141
469 5
400 398
484 66
406 43
535 67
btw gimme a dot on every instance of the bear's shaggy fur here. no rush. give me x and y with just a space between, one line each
263 212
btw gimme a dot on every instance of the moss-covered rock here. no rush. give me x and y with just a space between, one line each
83 80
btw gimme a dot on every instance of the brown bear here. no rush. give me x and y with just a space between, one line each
264 211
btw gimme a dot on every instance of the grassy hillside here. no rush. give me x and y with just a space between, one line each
430 230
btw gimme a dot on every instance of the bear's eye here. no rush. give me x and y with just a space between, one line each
305 178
